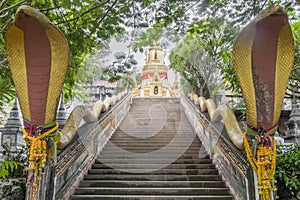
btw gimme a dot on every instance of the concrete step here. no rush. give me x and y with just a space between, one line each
126 184
155 161
157 155
164 147
146 144
161 171
154 138
152 177
151 191
153 197
113 150
153 166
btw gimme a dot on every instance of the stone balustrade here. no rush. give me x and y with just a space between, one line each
77 157
231 161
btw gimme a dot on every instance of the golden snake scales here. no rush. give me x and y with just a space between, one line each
38 56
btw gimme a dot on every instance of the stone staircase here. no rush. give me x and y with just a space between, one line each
154 154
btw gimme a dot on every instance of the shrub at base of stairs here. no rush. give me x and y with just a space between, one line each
288 172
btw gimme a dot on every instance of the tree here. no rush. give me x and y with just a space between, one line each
96 63
85 23
88 23
294 81
122 66
7 90
150 37
216 37
194 63
217 23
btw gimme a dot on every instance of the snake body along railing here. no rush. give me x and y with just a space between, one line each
228 158
87 114
76 157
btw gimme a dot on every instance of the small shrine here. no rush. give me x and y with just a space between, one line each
155 76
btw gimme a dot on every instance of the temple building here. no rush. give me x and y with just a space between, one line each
155 76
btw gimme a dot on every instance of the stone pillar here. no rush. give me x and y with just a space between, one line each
61 117
292 135
13 129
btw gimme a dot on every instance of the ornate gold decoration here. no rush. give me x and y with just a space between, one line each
18 60
264 163
37 141
242 60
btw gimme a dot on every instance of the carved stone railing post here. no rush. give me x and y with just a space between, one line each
61 113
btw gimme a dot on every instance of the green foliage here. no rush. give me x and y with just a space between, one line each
218 26
126 84
6 189
288 170
203 54
7 91
88 24
7 167
85 23
14 163
148 38
121 68
294 81
186 87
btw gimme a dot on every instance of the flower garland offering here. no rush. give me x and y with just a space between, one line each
38 141
260 149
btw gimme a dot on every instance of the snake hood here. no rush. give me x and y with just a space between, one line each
263 56
27 11
38 56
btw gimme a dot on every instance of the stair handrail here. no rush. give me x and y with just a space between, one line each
81 152
224 153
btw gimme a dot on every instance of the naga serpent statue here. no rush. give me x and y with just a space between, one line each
263 56
38 56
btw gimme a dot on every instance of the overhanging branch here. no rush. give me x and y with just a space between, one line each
12 6
105 15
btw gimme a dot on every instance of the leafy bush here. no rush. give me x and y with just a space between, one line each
12 173
288 171
13 165
7 167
